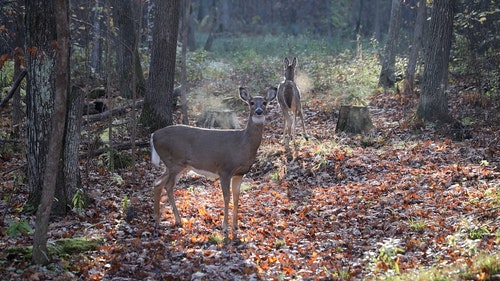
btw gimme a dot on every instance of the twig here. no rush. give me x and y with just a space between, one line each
14 88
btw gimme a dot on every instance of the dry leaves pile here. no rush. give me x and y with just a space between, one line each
349 207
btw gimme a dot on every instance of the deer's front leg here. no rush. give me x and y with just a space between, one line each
235 185
225 184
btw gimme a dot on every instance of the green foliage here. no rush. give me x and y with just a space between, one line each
6 75
269 46
18 228
478 232
278 243
215 238
387 255
195 65
78 201
256 62
475 54
121 160
417 225
345 78
125 203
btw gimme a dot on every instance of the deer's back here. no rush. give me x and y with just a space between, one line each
204 149
287 92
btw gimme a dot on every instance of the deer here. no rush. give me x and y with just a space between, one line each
289 101
216 153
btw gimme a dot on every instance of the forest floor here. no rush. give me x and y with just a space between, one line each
348 208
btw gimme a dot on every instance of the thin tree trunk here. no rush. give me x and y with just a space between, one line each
387 77
416 45
213 27
184 89
96 47
17 113
15 88
69 179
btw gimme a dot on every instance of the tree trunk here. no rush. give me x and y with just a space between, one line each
97 44
40 34
127 53
213 27
157 110
409 82
387 77
433 101
58 57
69 179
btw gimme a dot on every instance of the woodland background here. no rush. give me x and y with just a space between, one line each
415 199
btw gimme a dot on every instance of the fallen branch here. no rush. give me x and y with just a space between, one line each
113 112
14 88
10 140
93 153
118 147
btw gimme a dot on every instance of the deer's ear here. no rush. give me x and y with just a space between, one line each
294 62
271 93
244 94
286 62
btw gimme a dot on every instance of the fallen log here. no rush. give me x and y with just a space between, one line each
113 112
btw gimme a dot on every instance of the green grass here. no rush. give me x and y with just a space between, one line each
336 72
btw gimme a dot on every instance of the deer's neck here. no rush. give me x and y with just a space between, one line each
289 75
253 132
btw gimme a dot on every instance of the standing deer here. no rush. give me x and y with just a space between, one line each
289 101
227 154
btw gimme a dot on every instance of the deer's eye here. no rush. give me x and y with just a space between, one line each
264 103
252 103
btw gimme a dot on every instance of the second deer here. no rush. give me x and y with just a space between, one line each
227 154
289 101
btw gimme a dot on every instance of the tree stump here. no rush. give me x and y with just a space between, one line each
354 119
218 119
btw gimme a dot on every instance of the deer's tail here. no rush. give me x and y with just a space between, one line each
155 158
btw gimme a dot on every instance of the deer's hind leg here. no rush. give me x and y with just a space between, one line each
166 181
301 115
159 185
287 129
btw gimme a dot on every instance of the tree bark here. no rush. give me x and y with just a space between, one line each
128 61
157 110
40 57
416 45
69 179
387 77
433 101
59 16
96 47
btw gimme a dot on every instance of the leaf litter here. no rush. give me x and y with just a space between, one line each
347 208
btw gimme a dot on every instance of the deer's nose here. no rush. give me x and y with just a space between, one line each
259 111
